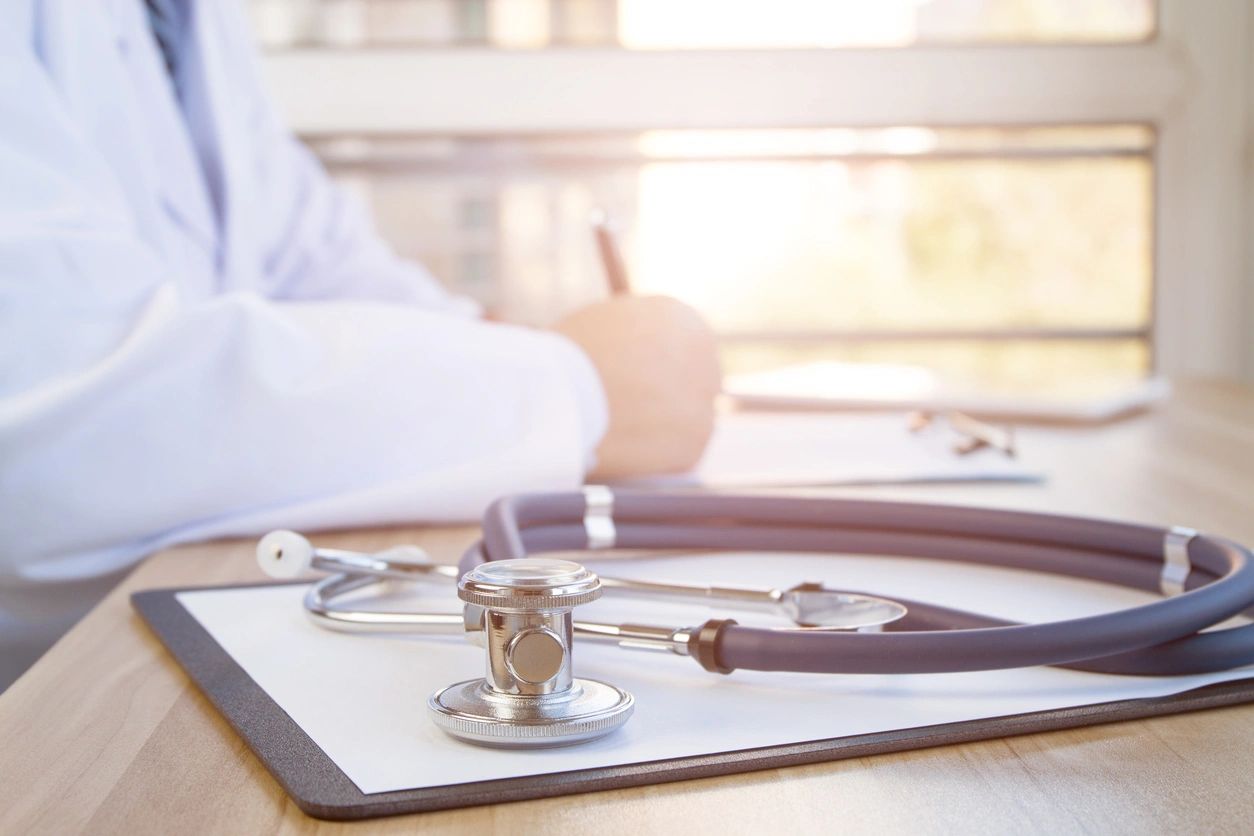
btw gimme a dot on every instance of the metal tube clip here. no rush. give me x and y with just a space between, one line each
1176 566
598 517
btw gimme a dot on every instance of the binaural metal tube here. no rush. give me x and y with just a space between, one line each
471 622
806 604
319 609
401 563
740 597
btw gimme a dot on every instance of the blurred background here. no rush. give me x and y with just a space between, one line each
1020 195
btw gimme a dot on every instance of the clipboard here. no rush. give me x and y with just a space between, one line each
322 790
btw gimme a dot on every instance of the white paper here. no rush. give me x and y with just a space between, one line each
836 385
362 699
778 449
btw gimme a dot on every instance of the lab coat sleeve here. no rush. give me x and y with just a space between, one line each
319 239
132 417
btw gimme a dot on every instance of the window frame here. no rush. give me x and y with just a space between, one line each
1189 83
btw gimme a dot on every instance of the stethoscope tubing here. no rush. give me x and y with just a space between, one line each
508 516
1105 567
1158 638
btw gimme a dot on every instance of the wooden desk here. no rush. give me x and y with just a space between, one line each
106 735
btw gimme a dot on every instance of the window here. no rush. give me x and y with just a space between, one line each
1009 192
698 24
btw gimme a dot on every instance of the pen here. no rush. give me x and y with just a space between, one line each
611 258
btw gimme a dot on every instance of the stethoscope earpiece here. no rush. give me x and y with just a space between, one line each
284 554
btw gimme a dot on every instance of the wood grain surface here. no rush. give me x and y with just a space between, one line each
106 735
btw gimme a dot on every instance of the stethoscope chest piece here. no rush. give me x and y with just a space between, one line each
528 697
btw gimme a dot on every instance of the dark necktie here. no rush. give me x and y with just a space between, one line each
168 19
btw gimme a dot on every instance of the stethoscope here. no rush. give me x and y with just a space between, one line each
520 608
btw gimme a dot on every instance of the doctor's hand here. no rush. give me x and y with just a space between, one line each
659 366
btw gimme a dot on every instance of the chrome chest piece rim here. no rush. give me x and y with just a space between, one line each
528 697
532 584
588 710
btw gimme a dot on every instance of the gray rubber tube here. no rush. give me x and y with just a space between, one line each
1158 638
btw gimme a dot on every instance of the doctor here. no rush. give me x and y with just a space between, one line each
203 337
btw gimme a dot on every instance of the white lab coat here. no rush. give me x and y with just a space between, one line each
188 356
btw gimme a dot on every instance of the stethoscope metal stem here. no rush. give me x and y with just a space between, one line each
675 640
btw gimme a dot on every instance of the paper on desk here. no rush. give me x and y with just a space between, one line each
778 449
836 385
362 698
